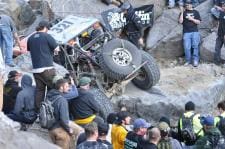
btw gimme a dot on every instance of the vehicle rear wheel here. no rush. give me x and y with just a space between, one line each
149 74
119 58
106 107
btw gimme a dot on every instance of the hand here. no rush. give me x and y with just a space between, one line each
190 18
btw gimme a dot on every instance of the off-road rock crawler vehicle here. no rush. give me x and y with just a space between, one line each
89 49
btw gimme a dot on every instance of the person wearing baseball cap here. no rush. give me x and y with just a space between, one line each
85 108
212 136
190 19
135 138
42 47
166 140
119 131
11 89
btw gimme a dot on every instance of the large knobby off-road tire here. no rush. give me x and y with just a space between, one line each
149 74
106 107
119 58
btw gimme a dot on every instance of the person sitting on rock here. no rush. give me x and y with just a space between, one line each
152 139
190 19
212 138
63 132
189 120
135 139
24 110
165 140
11 89
119 131
91 132
215 11
84 108
220 36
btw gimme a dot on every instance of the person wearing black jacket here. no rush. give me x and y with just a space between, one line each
133 28
11 89
61 132
84 108
135 139
220 36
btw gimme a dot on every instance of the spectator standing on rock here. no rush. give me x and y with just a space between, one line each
220 36
7 32
42 46
217 8
11 89
152 139
135 139
167 142
190 19
119 131
24 110
189 126
63 132
212 138
133 28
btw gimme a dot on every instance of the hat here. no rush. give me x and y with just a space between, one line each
208 121
141 123
121 116
188 2
13 74
163 126
84 81
165 119
189 106
125 6
103 129
44 24
56 78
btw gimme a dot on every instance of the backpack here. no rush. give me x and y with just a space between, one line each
46 116
187 133
165 144
221 125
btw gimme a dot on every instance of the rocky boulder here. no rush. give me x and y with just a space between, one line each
203 85
12 138
208 48
21 13
165 37
95 7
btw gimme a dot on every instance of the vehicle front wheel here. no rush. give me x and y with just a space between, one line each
149 74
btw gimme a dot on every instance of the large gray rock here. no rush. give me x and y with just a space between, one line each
207 49
21 13
95 7
12 138
165 37
203 85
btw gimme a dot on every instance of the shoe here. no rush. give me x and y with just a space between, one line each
195 63
11 65
186 64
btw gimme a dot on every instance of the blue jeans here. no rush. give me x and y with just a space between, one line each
6 43
191 41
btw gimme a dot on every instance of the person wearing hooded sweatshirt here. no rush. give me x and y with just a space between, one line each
24 108
62 132
212 138
11 89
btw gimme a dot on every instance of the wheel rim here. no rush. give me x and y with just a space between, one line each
121 57
141 75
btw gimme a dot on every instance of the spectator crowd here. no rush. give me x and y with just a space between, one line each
71 113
